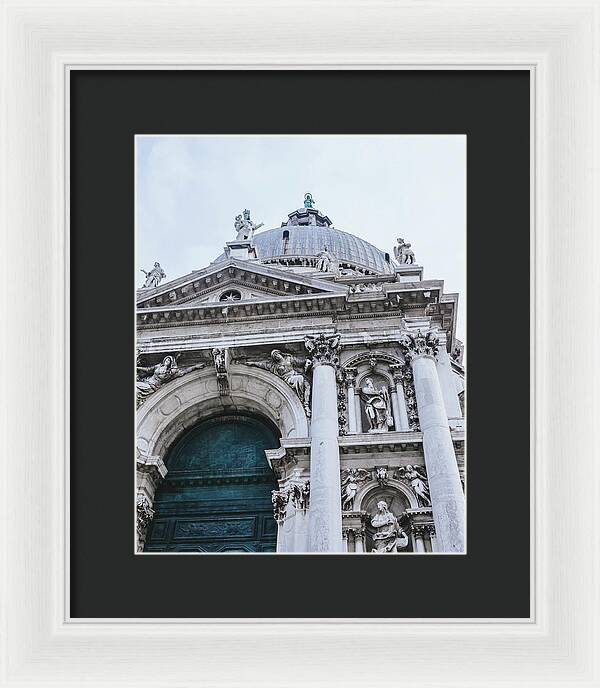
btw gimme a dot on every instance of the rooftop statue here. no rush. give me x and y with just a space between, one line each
403 254
244 226
325 261
154 276
309 201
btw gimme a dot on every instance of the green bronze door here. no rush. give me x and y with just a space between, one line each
216 496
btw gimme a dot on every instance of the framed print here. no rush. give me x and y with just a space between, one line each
304 388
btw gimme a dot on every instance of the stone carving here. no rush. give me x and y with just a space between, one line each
220 357
388 536
377 406
244 226
291 369
419 344
351 479
152 378
298 493
323 349
154 276
279 500
403 253
308 200
145 513
325 261
381 475
404 375
342 408
365 287
418 482
458 351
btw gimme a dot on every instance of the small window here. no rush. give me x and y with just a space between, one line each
230 295
387 257
286 234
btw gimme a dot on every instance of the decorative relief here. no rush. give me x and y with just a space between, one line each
381 475
323 349
419 344
351 479
242 527
363 287
297 493
342 405
145 513
291 369
405 376
388 536
151 379
412 476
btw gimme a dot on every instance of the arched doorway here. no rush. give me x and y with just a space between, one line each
216 496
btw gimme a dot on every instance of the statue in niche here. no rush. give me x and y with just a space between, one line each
403 253
418 482
152 378
291 369
377 406
309 201
244 226
153 277
388 536
350 481
325 261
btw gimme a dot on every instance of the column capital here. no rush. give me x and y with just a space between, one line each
324 349
418 345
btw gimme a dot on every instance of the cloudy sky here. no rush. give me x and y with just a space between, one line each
189 190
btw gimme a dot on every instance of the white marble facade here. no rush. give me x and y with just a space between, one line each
350 353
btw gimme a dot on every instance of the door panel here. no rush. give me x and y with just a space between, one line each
216 496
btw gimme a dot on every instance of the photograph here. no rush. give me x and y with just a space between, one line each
300 344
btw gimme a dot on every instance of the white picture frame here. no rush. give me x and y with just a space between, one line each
558 44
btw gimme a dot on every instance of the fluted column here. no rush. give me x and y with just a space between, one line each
447 498
325 512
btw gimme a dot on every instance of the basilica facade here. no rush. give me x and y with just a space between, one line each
302 393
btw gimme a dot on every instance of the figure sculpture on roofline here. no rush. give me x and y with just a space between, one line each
153 277
403 253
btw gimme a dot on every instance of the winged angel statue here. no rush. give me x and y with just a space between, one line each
351 479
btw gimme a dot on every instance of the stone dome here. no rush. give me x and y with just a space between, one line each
304 236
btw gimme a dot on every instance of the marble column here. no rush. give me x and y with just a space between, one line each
359 540
418 532
351 404
447 498
401 419
325 512
447 381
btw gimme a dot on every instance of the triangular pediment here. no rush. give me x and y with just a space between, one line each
234 280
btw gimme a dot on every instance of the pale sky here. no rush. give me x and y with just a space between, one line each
189 190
